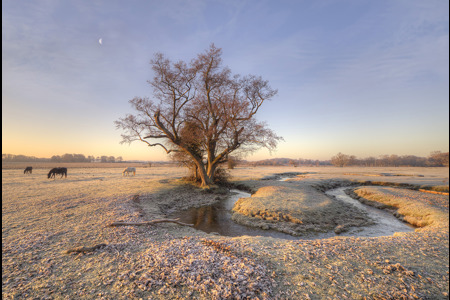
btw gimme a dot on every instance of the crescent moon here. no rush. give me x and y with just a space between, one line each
100 41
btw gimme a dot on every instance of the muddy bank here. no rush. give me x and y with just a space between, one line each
179 196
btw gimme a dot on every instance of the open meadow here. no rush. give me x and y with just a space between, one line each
57 242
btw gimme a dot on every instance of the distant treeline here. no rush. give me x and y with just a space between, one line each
436 159
61 158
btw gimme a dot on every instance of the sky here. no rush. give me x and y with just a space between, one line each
361 77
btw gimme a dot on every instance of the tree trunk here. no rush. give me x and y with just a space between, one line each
207 180
211 172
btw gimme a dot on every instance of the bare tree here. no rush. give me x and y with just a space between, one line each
293 163
437 158
201 110
340 160
231 162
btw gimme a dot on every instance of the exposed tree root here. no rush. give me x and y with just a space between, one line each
150 223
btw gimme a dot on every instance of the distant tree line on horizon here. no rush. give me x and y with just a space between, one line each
435 159
62 158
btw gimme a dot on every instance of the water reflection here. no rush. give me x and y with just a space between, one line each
203 218
217 218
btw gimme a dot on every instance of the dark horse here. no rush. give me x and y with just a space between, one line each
28 170
54 171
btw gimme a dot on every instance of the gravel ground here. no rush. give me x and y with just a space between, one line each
42 219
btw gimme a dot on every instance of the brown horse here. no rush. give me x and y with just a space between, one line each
54 171
28 170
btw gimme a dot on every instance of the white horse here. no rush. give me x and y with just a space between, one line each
128 171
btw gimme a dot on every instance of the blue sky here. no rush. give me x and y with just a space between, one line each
364 78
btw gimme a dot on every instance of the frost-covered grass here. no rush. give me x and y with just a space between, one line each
43 218
417 208
297 210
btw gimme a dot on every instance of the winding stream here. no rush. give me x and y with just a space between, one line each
386 223
217 219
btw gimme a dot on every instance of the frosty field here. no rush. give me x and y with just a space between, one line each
43 218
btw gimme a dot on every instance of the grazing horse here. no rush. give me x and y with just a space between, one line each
54 171
128 171
28 170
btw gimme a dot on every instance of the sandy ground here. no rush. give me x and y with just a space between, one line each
42 219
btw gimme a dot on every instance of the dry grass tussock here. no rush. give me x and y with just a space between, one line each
427 211
283 200
296 210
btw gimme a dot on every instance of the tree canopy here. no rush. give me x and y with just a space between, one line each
201 110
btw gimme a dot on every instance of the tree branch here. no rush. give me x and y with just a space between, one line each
155 136
162 146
